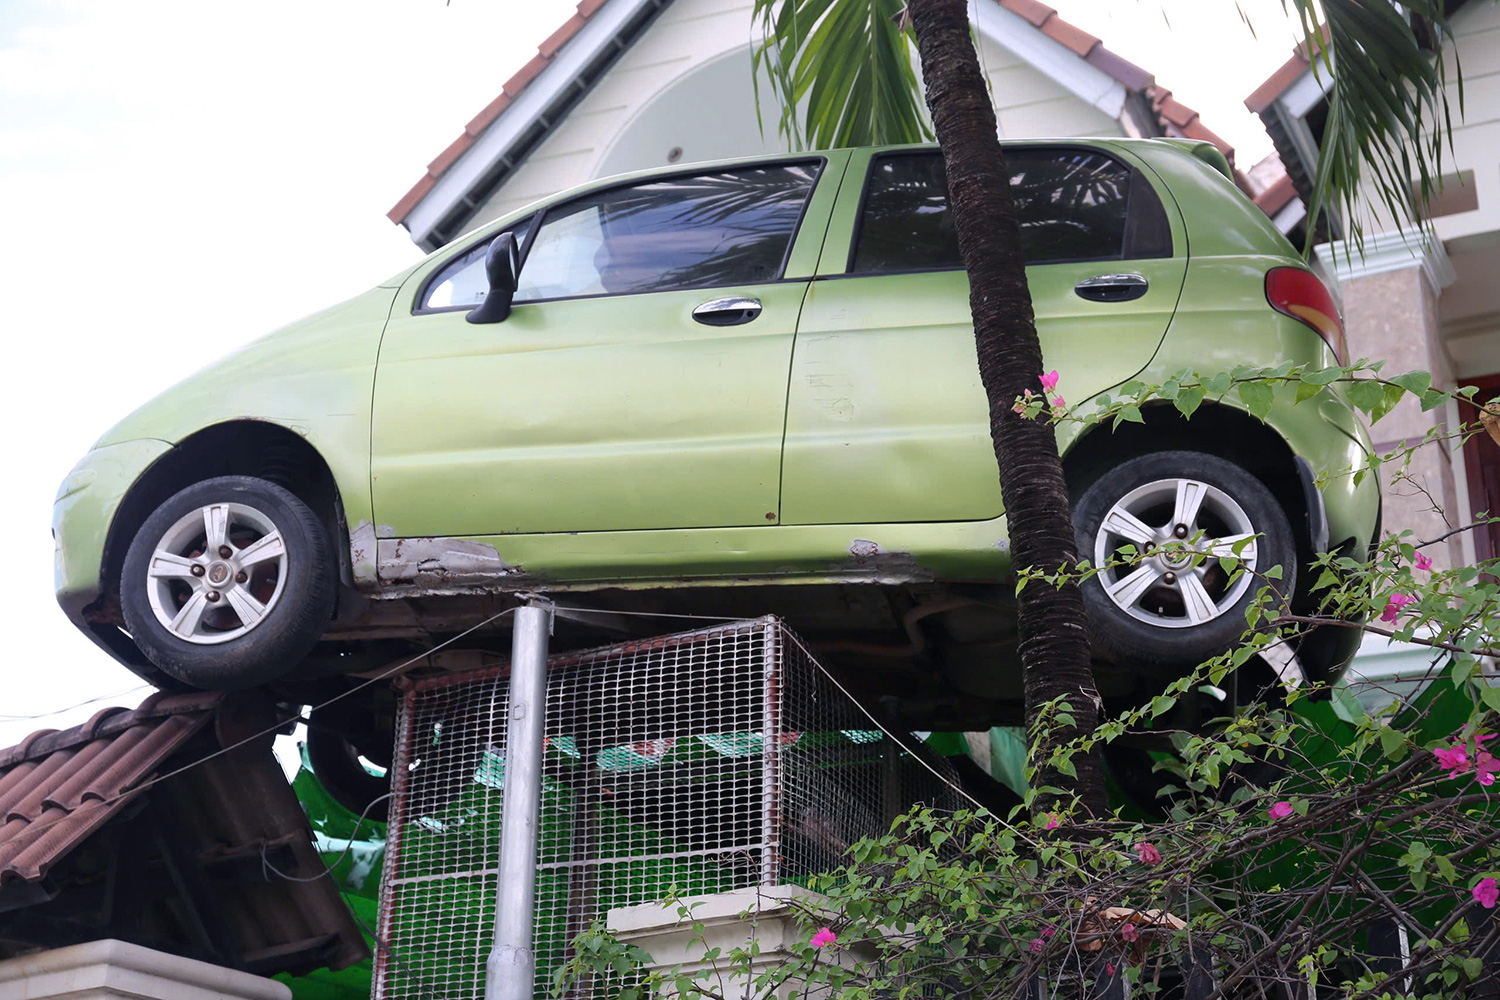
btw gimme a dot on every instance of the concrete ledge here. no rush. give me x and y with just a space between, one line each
764 916
115 970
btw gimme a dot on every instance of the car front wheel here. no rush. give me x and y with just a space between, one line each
1159 525
228 584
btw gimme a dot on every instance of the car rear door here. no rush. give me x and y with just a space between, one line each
886 418
639 381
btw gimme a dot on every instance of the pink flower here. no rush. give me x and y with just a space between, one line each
1037 944
1148 853
1059 402
1109 968
1455 759
1052 821
1280 810
1394 605
824 938
1049 380
1486 766
1048 930
1486 893
1129 933
1423 562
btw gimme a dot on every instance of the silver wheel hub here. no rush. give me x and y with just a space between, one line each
217 573
1180 529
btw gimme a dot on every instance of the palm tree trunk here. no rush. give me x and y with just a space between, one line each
1054 638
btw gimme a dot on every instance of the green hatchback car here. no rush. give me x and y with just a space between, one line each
728 389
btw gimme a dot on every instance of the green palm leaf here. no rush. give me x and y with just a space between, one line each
841 72
1388 115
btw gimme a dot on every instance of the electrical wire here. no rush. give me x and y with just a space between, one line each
60 711
30 830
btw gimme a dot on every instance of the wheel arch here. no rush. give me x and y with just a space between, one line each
244 447
1220 430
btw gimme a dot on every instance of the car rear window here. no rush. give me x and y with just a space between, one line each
1072 205
729 227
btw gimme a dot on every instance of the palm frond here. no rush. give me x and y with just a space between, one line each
1389 120
841 72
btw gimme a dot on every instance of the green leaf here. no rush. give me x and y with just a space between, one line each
1415 383
1324 376
1307 390
1366 394
1188 399
1129 412
1258 398
1219 383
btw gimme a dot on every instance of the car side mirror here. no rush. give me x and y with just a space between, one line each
501 264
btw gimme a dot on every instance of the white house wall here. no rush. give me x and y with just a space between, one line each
685 83
1476 31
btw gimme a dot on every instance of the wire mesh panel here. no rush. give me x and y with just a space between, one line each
684 765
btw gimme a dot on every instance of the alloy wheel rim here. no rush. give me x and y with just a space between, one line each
216 573
1180 529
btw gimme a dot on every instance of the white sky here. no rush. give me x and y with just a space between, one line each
177 178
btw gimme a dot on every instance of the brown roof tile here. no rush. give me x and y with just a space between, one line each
509 92
1032 10
446 158
150 788
491 111
59 787
562 35
523 76
1276 197
1071 35
1277 83
1122 69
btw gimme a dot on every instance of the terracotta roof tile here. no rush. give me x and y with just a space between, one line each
1032 10
183 807
491 111
409 200
60 786
446 158
1122 69
1277 83
525 75
1071 35
558 38
509 92
1276 197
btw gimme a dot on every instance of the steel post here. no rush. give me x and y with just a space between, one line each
511 967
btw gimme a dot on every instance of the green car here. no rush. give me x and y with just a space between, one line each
727 389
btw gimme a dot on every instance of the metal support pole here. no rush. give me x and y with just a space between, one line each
511 967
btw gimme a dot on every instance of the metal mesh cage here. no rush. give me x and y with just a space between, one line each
689 764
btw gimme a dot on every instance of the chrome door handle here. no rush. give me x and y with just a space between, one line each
731 311
1112 287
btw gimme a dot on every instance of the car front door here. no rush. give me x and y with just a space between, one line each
638 382
886 418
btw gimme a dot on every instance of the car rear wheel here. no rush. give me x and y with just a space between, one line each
1172 603
228 584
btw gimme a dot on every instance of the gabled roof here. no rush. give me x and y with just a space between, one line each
164 826
599 30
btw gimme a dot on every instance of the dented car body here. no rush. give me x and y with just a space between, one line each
620 432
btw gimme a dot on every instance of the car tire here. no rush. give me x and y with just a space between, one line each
335 761
1169 609
240 616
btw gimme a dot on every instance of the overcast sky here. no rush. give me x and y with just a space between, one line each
177 178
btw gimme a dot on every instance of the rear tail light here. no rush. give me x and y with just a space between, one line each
1299 294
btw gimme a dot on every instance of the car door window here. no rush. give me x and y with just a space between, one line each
1072 205
462 283
725 228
